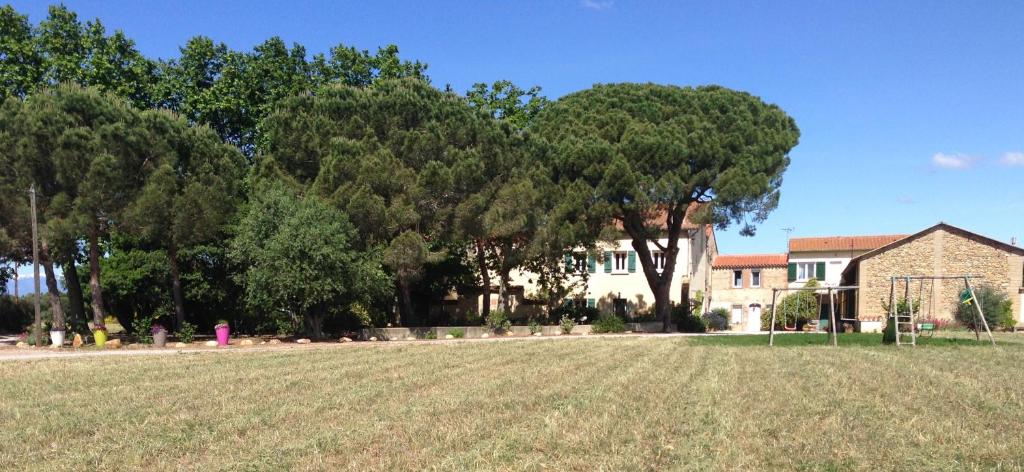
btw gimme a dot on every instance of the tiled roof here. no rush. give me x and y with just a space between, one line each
660 218
738 261
843 243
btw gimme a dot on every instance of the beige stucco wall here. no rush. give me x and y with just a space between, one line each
604 287
726 296
937 253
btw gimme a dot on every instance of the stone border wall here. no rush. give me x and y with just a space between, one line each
472 332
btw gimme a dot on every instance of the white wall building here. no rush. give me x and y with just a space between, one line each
825 258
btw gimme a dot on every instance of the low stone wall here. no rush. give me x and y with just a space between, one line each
471 332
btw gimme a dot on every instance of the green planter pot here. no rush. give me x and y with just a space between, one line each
100 337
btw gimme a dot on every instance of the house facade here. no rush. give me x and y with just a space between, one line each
941 250
743 285
825 258
614 281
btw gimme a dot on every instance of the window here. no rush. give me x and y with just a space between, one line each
659 260
581 262
804 271
737 314
737 279
619 261
755 278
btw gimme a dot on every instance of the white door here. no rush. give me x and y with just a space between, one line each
754 319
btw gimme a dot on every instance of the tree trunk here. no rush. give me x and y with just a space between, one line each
314 324
663 304
94 276
56 310
16 294
404 303
74 286
176 292
504 292
485 278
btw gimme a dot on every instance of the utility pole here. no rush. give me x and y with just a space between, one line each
35 267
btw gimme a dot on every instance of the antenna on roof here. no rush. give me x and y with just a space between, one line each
788 230
1013 240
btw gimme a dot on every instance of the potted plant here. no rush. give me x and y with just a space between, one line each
159 334
57 335
223 332
99 334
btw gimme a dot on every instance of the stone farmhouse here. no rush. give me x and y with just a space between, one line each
742 284
941 250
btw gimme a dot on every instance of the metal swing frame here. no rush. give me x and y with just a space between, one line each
833 321
912 322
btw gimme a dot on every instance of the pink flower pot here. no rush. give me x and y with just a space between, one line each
223 332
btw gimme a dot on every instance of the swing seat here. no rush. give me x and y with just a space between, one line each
923 328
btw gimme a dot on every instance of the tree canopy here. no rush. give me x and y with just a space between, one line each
641 150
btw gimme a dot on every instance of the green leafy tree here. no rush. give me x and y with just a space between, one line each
62 49
640 150
995 304
397 157
300 259
799 306
508 102
190 196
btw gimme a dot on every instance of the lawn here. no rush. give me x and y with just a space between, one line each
583 404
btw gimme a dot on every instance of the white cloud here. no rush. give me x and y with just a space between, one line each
1013 159
953 161
597 4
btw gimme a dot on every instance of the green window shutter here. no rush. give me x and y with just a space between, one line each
819 271
608 262
591 303
568 262
792 272
632 261
591 263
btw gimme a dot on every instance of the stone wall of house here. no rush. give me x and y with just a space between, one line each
725 295
937 253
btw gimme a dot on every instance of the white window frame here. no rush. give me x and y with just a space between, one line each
755 278
623 258
739 283
736 317
659 261
805 271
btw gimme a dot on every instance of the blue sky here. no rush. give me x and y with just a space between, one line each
911 112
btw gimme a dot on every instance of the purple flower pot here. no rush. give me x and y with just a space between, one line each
223 332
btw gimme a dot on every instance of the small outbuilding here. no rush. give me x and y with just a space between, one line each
941 250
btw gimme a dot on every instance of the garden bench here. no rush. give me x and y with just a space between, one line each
926 328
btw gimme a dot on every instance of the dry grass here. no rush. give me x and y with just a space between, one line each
585 404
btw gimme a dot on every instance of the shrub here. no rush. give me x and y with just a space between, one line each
431 335
717 319
187 333
996 306
498 321
457 333
609 323
579 314
799 306
687 322
567 324
534 327
16 314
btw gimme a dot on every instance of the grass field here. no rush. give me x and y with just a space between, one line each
581 404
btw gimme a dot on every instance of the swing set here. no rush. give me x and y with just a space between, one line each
907 317
832 292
